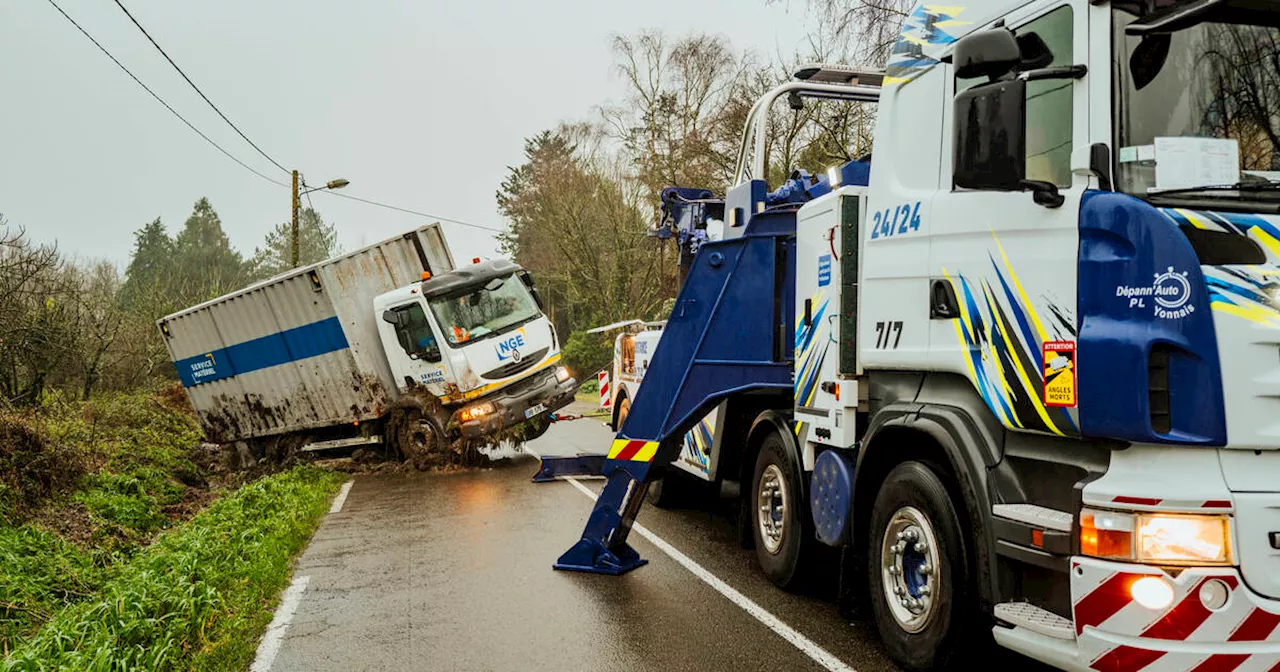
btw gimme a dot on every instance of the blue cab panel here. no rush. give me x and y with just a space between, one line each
1141 288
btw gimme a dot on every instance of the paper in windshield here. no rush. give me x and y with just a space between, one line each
1196 162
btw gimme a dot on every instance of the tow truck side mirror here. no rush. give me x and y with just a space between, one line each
991 53
391 317
990 136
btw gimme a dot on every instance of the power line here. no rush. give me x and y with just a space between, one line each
413 212
197 89
161 100
229 155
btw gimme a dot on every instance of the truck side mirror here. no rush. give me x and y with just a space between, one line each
527 279
1148 59
991 53
391 317
990 135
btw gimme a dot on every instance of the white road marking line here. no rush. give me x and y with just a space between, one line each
270 644
341 498
806 645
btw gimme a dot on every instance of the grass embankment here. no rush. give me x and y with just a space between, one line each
102 565
588 392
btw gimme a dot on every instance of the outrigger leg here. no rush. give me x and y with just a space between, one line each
603 548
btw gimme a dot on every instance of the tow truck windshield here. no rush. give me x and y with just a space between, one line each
1210 79
497 306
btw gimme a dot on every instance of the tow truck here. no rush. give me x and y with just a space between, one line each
1022 365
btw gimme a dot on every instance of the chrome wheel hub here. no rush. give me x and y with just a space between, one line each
909 569
772 502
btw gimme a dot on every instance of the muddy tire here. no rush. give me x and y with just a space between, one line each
420 438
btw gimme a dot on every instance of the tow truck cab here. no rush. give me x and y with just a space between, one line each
477 339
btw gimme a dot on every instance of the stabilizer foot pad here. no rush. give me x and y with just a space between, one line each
553 468
591 556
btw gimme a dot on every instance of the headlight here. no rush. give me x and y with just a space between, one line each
477 411
1156 538
562 374
1184 539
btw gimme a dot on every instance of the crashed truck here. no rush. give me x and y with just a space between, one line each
388 345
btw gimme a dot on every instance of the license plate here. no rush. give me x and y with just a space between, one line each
540 408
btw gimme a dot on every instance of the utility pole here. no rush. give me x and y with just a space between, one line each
293 230
297 204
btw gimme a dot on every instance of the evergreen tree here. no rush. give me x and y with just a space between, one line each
205 264
150 265
317 241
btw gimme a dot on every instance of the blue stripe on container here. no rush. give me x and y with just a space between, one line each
282 347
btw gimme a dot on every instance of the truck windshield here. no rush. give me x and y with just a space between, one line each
498 305
1210 108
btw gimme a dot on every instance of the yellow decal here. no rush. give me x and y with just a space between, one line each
1060 373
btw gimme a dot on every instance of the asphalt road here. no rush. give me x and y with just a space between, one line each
453 572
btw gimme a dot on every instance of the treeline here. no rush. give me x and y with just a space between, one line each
80 326
583 203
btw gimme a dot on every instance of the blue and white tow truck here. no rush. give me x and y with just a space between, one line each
1022 366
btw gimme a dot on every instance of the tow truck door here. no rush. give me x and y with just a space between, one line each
1011 262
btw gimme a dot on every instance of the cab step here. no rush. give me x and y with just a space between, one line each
1035 619
1037 516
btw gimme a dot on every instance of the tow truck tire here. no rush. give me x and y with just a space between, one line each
917 571
624 407
780 521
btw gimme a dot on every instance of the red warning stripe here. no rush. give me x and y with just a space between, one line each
1256 627
1177 624
630 451
1139 501
1216 504
1105 600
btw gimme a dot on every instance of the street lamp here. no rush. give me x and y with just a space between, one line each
297 203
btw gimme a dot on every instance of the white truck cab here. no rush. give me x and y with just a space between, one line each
476 339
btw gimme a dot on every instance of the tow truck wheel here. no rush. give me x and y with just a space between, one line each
624 407
916 568
784 545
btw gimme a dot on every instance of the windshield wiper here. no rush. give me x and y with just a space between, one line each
1238 186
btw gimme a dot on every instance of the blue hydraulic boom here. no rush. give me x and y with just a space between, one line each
730 332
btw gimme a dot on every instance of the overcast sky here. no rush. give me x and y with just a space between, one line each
421 104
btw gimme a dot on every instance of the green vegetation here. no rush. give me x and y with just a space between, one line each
197 597
111 555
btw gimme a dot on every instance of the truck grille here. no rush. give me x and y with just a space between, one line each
511 369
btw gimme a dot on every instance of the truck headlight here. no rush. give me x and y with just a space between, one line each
1156 538
562 374
475 411
1184 539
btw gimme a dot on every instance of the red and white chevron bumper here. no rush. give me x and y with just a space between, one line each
1213 624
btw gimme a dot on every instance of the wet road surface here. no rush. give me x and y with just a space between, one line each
453 572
